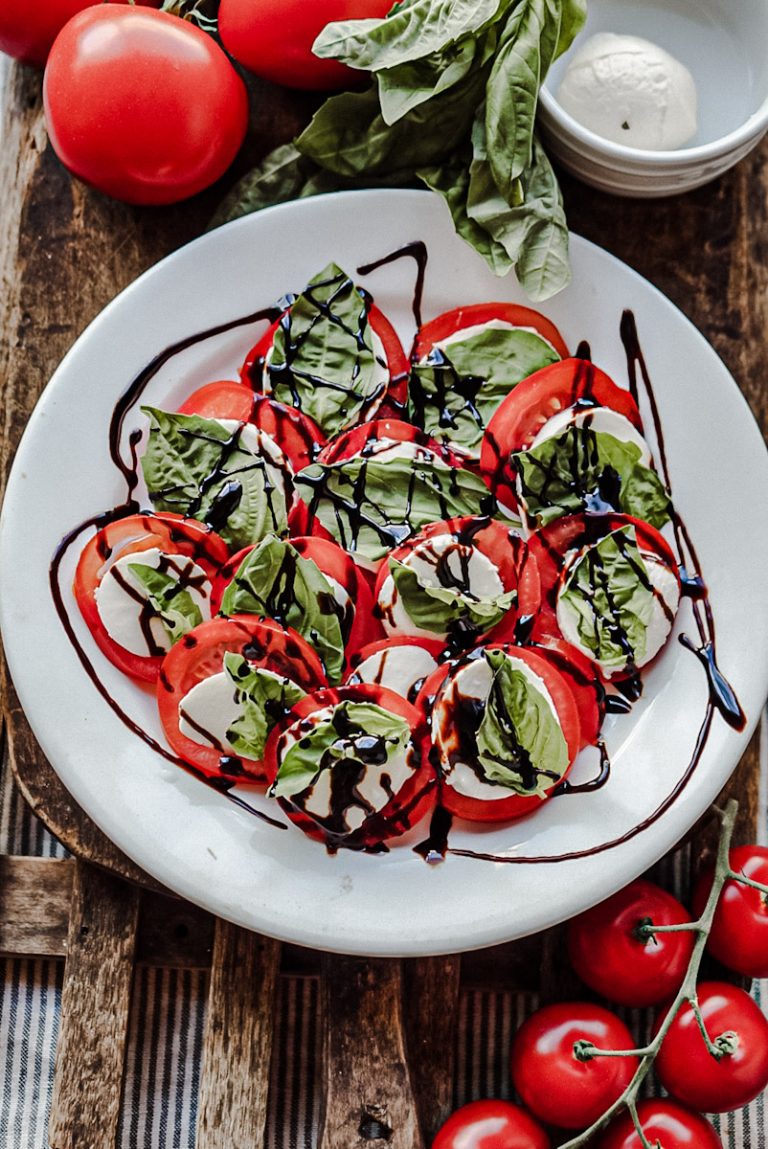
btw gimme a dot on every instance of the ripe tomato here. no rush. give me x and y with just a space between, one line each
142 105
739 935
609 957
687 1069
475 314
28 29
555 1085
200 654
274 38
170 534
664 1123
222 399
491 1125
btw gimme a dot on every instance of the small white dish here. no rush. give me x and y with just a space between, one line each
725 47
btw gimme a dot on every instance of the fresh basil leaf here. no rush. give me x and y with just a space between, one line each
322 359
358 734
412 30
454 391
371 506
607 594
280 176
542 265
265 699
199 468
448 610
452 182
407 85
583 469
275 581
170 599
574 13
520 742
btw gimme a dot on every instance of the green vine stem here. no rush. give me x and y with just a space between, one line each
722 1045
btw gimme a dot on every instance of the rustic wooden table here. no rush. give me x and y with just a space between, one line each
64 253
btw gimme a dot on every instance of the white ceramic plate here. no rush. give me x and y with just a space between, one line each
277 881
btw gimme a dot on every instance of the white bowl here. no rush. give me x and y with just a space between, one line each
724 44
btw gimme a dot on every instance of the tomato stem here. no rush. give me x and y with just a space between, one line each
646 930
644 1142
722 1046
745 881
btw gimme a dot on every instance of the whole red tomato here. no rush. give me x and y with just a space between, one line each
739 935
142 105
553 1083
274 38
491 1125
29 27
664 1123
612 957
687 1069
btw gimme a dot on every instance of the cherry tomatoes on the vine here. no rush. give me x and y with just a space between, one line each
556 1085
692 1074
612 953
491 1125
142 105
739 934
664 1123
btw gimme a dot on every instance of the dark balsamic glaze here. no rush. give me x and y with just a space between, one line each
416 251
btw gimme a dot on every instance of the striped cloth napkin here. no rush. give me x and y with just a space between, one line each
166 1031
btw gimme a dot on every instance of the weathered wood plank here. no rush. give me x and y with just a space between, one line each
95 1002
369 1102
431 1000
35 899
238 1040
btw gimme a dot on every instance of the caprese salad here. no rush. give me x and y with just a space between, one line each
374 582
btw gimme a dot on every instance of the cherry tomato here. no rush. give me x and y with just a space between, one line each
27 30
491 1125
430 699
274 38
535 400
200 654
142 105
555 1085
739 935
476 314
170 534
404 807
609 956
665 1124
687 1069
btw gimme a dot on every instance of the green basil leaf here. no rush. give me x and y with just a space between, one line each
608 596
280 176
574 13
264 697
407 85
520 742
371 506
452 182
170 599
275 581
583 469
542 265
453 392
322 360
358 734
197 467
444 610
412 30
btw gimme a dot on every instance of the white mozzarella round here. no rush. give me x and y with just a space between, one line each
207 711
121 598
397 668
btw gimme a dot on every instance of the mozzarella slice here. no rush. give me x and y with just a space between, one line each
122 601
207 711
400 668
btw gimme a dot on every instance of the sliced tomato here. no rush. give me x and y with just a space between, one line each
222 399
397 360
378 654
535 400
583 677
550 545
361 439
501 545
200 654
516 805
477 314
405 807
169 533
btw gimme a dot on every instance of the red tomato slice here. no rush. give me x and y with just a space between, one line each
535 400
585 682
405 807
516 805
169 533
200 654
500 545
222 399
549 546
397 360
359 439
475 314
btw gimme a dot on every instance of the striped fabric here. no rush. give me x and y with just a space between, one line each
166 1030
